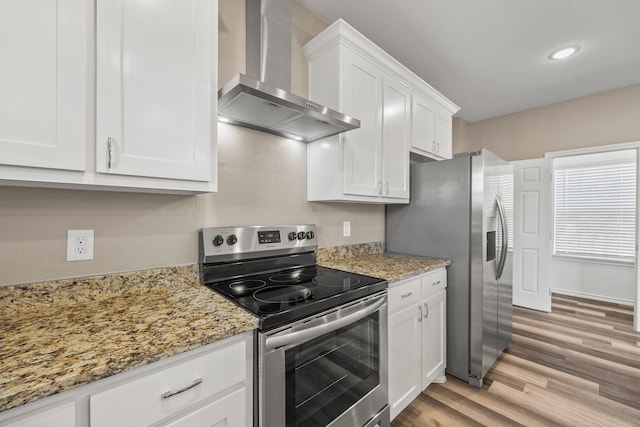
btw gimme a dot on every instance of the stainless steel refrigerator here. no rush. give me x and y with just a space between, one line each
456 211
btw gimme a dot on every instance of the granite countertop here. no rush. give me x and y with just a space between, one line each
58 335
370 260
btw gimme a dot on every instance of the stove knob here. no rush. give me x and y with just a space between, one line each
292 236
232 240
310 234
218 240
301 235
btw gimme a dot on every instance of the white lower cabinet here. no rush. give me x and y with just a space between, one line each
404 356
434 344
229 411
63 415
417 337
212 386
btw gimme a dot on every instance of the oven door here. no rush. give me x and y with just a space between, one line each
327 370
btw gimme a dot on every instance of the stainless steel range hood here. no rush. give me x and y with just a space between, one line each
261 99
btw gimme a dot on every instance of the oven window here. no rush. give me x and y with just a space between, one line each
326 376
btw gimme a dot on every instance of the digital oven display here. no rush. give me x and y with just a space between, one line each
268 237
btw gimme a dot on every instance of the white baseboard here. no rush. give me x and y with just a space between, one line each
593 297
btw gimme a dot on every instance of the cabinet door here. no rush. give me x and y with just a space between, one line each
362 99
60 416
433 338
154 94
42 83
422 124
395 138
404 358
443 134
229 411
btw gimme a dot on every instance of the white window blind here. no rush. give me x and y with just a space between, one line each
595 206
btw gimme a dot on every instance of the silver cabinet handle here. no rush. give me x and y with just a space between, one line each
420 315
386 188
109 152
170 393
380 188
435 283
407 294
426 305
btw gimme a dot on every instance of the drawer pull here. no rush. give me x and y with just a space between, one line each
435 283
405 295
170 393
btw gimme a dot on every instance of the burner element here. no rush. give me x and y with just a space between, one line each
337 280
241 288
292 277
291 294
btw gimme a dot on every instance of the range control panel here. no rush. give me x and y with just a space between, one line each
219 244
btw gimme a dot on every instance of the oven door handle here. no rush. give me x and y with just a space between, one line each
298 337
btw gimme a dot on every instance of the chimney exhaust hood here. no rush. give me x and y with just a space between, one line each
261 99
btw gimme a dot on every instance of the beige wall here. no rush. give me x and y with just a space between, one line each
262 180
607 118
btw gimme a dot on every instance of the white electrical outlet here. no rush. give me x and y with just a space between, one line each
346 228
79 245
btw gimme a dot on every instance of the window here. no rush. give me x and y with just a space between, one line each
595 206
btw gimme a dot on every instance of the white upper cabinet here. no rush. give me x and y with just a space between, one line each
348 73
396 109
154 88
362 153
431 134
43 83
153 84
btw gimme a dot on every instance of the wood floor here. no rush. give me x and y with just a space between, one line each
576 366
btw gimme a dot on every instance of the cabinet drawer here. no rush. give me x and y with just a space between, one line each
434 281
403 295
165 393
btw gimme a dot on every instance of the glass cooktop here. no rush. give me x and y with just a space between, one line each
282 297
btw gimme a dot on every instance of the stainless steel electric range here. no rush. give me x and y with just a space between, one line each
322 338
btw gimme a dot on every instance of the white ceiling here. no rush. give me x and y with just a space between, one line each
491 56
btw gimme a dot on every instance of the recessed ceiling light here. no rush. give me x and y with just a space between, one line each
564 52
297 138
223 119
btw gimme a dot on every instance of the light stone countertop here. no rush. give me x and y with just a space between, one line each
62 334
371 260
59 335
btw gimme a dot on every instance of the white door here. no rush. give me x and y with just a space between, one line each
532 234
395 139
43 73
154 94
362 150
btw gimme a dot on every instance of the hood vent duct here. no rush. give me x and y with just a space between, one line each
262 99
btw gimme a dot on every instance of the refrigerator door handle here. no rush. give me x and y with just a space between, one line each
505 238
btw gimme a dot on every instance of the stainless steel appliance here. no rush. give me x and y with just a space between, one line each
456 212
262 99
322 337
